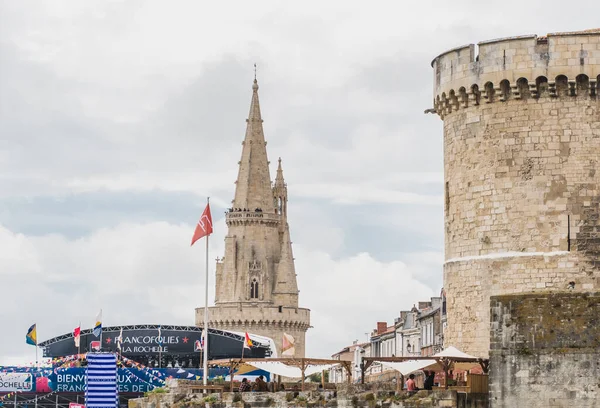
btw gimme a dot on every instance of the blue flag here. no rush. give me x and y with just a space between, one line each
31 336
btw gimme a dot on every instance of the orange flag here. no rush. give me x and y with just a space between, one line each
204 227
247 342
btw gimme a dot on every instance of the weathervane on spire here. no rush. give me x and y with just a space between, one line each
255 71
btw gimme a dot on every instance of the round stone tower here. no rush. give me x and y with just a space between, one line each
521 170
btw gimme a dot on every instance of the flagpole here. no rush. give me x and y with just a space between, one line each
205 353
101 318
79 342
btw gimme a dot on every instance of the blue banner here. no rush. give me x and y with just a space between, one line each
46 380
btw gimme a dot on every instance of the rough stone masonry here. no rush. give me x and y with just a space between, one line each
545 350
521 163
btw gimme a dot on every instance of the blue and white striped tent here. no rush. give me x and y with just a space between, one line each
101 381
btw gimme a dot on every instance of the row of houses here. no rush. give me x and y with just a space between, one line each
415 332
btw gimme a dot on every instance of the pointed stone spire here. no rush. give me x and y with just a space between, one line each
279 181
280 194
253 185
286 285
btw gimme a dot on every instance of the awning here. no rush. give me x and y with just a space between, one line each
458 357
409 366
285 370
454 353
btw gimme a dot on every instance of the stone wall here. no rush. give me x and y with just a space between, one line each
349 397
545 350
521 157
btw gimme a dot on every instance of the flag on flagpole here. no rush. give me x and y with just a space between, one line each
77 335
98 325
204 226
120 339
197 345
31 336
288 348
247 341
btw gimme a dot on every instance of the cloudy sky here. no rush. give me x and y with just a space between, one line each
118 118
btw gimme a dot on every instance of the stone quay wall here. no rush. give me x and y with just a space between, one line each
545 350
347 396
521 160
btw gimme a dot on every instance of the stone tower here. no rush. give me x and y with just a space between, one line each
521 171
256 288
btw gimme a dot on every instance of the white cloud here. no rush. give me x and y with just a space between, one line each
348 296
147 273
151 96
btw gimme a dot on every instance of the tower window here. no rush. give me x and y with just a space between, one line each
280 309
254 289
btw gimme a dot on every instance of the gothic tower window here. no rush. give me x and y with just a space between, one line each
254 289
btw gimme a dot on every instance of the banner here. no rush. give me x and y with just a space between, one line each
67 380
22 382
101 379
147 342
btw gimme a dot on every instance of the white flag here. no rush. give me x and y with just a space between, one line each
120 339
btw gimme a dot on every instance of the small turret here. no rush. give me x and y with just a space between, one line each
280 193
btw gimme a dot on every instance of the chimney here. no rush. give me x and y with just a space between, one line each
424 305
381 327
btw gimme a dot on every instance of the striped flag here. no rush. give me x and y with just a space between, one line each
101 381
31 336
98 325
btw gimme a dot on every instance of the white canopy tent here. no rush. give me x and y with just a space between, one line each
447 359
284 367
284 370
410 366
453 353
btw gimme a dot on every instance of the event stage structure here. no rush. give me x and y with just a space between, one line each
177 346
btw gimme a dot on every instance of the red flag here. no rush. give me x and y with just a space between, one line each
95 345
204 227
76 334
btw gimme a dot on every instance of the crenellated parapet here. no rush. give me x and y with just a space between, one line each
262 319
560 65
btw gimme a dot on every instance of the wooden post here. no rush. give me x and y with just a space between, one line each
231 371
303 368
398 381
323 379
362 372
348 368
445 374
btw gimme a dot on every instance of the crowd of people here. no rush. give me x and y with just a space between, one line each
260 385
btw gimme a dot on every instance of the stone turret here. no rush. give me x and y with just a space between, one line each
521 168
256 285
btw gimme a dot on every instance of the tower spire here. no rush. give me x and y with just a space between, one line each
253 185
280 194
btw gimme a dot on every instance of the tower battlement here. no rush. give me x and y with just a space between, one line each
557 65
